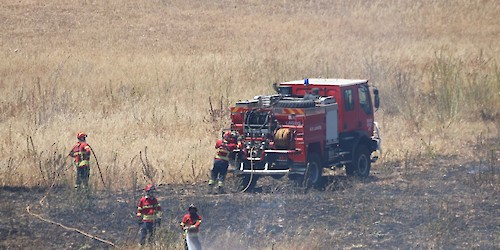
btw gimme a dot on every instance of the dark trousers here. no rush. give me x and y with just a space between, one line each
82 176
147 229
219 171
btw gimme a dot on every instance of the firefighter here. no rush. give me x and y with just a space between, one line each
224 148
81 152
148 214
190 225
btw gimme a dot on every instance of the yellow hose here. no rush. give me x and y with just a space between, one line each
281 138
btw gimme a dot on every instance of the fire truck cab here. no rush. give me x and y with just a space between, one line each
308 125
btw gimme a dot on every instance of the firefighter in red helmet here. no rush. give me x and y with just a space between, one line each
148 214
190 224
81 153
224 148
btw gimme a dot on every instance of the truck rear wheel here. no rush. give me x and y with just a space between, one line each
361 163
313 175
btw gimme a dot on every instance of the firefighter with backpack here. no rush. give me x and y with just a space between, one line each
224 148
81 153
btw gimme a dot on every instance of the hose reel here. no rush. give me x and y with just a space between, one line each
282 138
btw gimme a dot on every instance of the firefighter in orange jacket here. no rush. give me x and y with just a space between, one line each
148 214
221 160
81 153
190 224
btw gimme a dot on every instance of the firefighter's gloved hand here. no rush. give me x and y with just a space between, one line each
139 221
158 222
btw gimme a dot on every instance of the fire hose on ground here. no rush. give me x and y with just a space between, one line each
251 172
70 228
28 209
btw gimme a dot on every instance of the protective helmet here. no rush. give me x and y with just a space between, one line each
218 143
234 135
149 188
192 207
81 136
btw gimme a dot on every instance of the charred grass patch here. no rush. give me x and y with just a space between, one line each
433 203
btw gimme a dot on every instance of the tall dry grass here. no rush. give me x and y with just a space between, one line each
137 74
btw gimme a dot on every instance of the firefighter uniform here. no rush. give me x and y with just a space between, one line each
81 153
224 148
148 214
190 224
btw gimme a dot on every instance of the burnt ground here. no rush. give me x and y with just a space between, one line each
445 203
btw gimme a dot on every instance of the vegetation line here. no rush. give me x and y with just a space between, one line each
70 228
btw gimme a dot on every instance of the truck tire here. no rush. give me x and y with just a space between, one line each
314 171
361 163
298 103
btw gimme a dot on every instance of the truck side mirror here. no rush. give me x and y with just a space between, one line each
276 88
377 98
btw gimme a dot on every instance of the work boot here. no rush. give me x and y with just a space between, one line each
221 190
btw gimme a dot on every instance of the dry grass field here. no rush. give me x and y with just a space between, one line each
148 74
136 74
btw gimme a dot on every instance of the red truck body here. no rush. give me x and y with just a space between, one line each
309 125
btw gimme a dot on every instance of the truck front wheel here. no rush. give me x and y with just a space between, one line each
361 163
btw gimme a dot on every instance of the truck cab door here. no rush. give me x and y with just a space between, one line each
364 110
349 115
357 110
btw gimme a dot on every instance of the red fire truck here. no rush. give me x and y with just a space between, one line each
307 126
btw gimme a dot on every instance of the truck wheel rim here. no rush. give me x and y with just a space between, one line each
362 164
313 172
